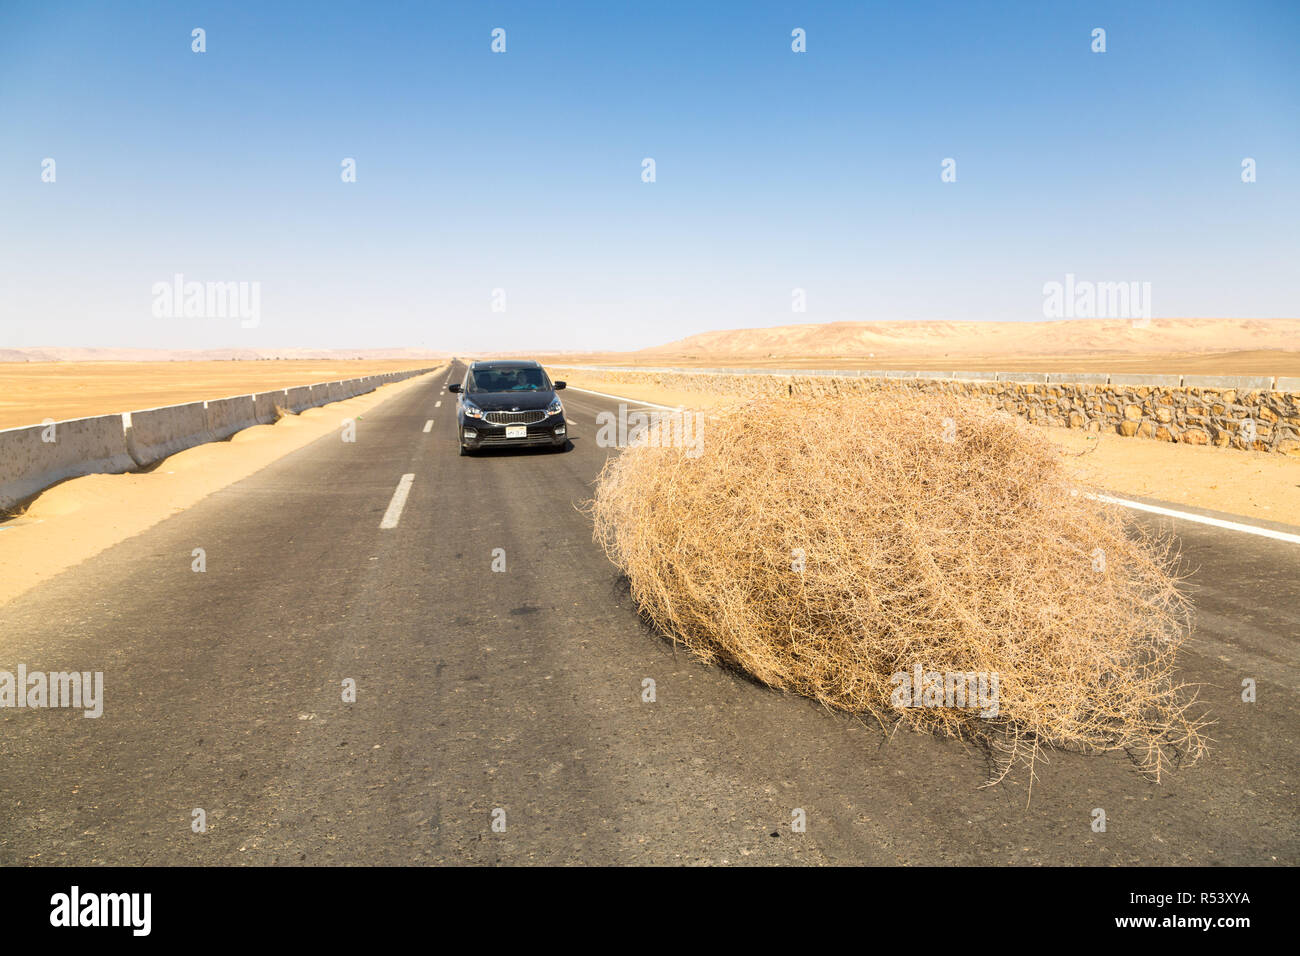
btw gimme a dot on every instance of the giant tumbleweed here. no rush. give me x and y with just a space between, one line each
827 548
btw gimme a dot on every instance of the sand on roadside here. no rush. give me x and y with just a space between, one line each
1250 484
79 518
31 392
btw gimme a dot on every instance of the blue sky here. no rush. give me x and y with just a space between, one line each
521 171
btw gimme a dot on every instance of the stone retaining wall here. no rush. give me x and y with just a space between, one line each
1239 412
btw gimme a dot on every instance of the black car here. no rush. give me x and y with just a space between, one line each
509 404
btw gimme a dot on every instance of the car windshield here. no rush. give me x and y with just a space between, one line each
508 380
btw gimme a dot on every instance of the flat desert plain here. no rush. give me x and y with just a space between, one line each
31 392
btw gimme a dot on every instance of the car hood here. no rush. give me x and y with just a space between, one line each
511 401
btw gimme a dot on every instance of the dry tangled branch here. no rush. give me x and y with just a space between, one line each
935 535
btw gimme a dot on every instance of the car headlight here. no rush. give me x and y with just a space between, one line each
471 410
555 408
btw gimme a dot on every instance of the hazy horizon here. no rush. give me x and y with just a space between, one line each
907 340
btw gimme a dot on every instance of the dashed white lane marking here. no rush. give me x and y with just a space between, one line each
428 426
437 404
394 512
1202 519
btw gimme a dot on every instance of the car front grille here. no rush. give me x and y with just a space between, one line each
515 418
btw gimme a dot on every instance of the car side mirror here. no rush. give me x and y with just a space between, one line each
558 385
453 388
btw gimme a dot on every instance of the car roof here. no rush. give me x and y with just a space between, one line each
506 363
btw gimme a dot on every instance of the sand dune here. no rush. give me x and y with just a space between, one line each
893 340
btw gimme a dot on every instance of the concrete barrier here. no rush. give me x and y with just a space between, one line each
1078 378
1150 381
1034 378
297 398
229 415
1242 383
266 406
155 433
37 456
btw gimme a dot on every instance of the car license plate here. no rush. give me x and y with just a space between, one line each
516 431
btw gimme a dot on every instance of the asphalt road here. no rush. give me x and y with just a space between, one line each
521 691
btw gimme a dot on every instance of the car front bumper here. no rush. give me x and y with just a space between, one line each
553 431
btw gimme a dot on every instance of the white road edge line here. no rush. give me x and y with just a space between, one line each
623 398
1201 519
1110 499
428 426
394 512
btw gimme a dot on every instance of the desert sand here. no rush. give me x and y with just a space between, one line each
1166 346
77 519
31 392
1249 484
